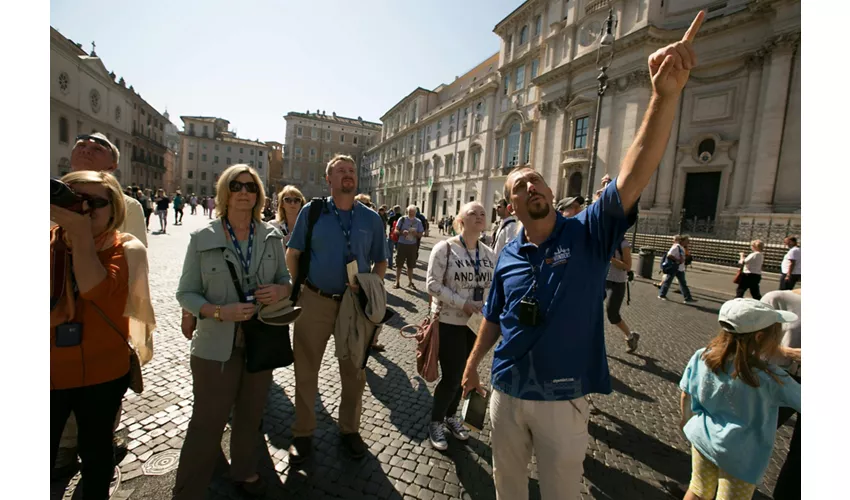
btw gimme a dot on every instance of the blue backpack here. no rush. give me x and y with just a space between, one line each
670 266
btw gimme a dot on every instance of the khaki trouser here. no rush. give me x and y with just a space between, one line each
555 430
312 332
217 389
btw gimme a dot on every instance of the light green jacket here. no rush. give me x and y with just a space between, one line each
206 279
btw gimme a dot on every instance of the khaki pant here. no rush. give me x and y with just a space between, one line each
217 389
312 331
557 433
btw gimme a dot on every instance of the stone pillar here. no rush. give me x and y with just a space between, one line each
664 175
743 159
770 125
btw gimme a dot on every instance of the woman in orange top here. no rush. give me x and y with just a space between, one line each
98 294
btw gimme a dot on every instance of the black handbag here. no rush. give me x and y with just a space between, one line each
266 346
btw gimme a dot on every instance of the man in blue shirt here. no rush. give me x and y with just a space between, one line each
346 232
544 304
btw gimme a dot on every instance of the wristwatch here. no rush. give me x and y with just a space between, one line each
217 314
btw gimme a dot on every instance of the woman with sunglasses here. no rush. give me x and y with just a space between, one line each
99 300
289 204
237 243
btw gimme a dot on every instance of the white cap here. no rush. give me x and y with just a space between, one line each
750 315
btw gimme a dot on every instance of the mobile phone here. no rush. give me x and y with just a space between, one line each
474 409
69 334
478 294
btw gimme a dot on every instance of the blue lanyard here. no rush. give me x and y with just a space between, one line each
345 232
477 262
246 263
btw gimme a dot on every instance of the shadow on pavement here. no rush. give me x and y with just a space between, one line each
610 483
621 387
398 302
475 479
650 365
409 407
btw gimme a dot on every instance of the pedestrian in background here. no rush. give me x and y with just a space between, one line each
408 230
99 300
508 227
791 265
676 255
365 199
210 206
751 271
395 215
193 202
162 202
460 271
735 396
616 283
220 381
346 233
178 208
290 203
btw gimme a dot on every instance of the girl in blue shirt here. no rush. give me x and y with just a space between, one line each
735 397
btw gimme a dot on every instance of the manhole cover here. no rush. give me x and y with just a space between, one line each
71 489
161 463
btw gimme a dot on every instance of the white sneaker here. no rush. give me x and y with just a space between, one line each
437 435
457 429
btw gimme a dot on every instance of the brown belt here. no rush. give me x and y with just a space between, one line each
336 297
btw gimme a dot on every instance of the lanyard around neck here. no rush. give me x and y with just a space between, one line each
345 232
245 261
477 262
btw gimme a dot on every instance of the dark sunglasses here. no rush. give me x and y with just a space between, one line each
94 202
251 186
292 200
96 140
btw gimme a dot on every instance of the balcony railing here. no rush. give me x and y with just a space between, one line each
576 155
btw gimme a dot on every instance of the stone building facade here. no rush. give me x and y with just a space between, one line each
312 139
733 159
207 148
276 178
147 156
734 152
436 145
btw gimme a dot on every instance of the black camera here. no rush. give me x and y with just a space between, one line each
63 196
69 334
529 311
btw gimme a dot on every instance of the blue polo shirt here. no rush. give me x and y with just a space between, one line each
329 249
563 358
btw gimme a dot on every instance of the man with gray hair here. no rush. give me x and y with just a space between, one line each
409 231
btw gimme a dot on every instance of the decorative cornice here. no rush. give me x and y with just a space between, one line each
597 5
636 79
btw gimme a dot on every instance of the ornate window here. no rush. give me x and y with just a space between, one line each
523 35
580 135
513 145
63 130
94 100
64 83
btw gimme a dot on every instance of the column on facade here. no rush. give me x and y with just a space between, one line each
606 125
744 159
550 146
664 175
770 127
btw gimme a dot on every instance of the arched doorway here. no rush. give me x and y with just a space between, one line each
574 184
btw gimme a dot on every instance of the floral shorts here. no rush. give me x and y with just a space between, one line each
707 478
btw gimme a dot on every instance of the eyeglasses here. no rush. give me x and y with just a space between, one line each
292 200
94 202
251 186
97 140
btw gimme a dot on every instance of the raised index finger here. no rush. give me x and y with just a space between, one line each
695 26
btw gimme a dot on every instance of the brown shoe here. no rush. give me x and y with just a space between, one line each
354 445
300 449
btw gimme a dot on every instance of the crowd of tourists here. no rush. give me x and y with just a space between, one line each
259 265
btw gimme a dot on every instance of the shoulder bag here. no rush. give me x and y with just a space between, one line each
427 336
136 382
266 346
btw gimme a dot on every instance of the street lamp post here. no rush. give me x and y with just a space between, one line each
603 62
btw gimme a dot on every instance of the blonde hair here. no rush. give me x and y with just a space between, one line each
222 190
364 199
759 244
288 190
339 158
113 189
457 223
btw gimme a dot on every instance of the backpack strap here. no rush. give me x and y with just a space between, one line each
317 205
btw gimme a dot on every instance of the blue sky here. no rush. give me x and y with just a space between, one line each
251 62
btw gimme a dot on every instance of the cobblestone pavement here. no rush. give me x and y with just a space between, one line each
636 450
